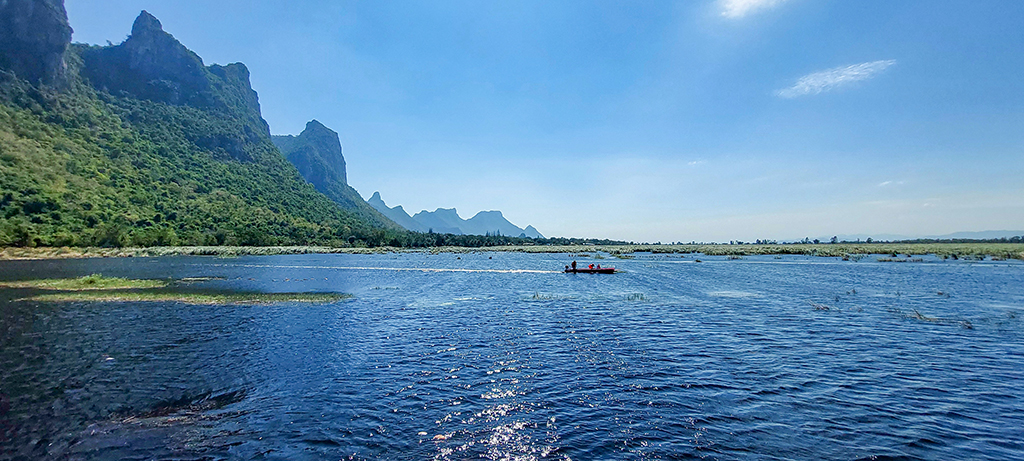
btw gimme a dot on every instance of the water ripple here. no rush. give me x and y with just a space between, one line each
497 356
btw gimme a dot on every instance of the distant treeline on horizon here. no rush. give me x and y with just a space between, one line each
834 240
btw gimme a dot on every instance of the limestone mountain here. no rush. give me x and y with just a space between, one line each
318 155
396 214
441 221
141 143
152 65
493 222
448 221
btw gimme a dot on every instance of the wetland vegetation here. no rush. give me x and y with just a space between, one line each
894 251
98 288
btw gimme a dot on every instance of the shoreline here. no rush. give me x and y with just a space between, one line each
946 250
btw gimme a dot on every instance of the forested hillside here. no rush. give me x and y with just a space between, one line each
142 144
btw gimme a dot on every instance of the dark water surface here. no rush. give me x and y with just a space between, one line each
759 358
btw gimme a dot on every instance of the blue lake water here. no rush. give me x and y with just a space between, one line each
499 356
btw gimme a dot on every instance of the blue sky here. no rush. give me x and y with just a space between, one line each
649 121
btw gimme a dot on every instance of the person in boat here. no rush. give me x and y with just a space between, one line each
598 267
567 268
574 266
591 267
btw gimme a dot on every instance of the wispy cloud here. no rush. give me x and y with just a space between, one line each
830 79
740 8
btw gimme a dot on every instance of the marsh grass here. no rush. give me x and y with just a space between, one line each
92 282
97 288
853 251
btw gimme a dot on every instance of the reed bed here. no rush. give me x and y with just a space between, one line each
97 288
855 251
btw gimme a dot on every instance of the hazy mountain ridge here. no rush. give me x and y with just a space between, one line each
396 214
448 221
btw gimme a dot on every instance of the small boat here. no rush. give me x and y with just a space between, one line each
585 270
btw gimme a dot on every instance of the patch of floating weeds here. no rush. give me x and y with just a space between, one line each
900 260
917 315
542 297
385 288
821 307
637 297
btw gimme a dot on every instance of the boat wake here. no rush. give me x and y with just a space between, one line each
399 269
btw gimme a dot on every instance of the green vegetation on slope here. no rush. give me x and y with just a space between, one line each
81 167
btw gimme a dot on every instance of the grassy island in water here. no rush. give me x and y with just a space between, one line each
111 289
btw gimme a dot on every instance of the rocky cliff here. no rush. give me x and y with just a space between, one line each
318 155
34 34
152 65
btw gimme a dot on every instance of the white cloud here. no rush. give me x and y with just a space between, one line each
830 79
740 8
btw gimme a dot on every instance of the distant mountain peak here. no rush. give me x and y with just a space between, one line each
396 214
146 23
315 125
447 221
